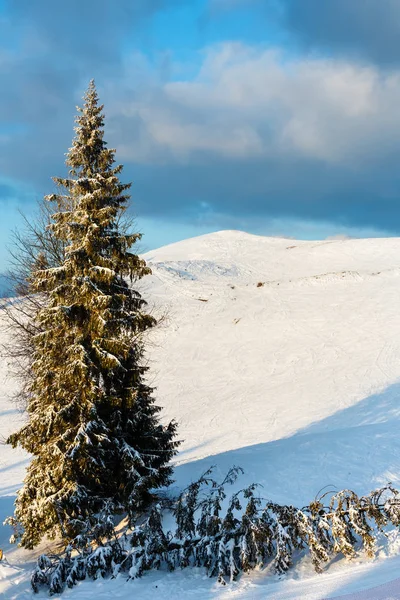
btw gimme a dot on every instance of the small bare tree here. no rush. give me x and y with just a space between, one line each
34 247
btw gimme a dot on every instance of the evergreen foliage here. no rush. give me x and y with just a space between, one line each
226 537
93 430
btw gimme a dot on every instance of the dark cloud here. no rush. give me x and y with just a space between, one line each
258 190
365 28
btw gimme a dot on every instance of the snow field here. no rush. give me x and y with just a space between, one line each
296 380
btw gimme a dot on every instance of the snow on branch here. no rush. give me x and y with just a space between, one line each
226 537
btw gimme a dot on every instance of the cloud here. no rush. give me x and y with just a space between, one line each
254 135
365 28
91 30
258 133
249 102
49 51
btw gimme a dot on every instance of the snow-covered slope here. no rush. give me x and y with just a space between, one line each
277 355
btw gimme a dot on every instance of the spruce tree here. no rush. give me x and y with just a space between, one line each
93 427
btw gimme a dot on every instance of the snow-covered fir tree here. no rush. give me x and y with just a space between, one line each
93 428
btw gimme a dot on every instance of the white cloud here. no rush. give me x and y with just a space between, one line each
249 101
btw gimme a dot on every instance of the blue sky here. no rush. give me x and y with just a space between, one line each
278 117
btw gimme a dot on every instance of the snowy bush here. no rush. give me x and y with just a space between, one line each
226 537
